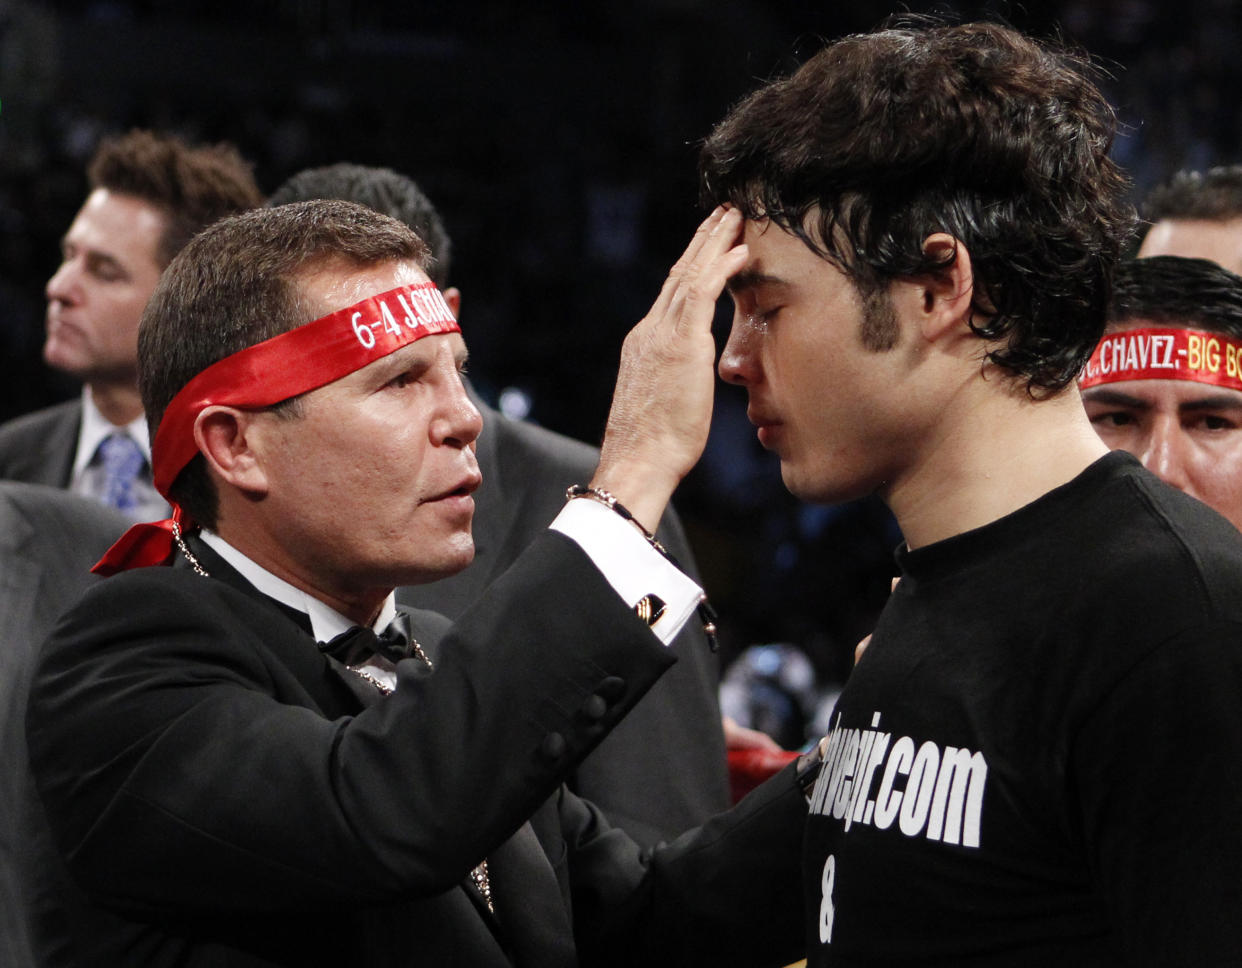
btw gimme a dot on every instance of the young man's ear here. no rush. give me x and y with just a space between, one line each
943 296
225 438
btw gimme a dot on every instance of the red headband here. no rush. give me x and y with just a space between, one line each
277 369
1165 354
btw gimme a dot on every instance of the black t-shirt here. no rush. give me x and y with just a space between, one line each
1038 760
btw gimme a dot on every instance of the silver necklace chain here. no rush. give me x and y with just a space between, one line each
479 875
194 563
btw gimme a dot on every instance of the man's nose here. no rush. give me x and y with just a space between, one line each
1166 453
460 423
63 286
738 362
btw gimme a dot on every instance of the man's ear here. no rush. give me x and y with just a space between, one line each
224 436
945 295
452 296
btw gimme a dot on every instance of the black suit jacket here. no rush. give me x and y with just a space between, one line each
225 795
48 541
39 447
663 769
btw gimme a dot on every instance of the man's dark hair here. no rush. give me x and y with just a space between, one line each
974 130
1174 291
237 284
383 190
1214 195
192 186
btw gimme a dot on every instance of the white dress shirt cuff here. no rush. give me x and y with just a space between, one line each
629 564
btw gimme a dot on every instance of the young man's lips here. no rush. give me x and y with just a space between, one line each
766 426
767 433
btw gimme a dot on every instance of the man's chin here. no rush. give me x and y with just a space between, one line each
822 489
445 566
60 357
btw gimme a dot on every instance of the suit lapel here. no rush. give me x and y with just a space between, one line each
22 573
532 910
335 690
62 446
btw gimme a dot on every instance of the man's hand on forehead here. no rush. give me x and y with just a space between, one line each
662 406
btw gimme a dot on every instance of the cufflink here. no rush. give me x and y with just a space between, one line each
649 608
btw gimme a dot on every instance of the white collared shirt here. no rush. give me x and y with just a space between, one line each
87 479
326 622
627 561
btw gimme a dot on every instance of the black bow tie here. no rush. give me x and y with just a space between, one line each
354 646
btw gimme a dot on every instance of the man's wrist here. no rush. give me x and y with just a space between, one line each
648 609
644 491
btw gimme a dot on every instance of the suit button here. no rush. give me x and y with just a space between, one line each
595 707
553 746
611 688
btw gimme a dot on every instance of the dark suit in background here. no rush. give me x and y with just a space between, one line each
39 447
48 541
663 769
229 796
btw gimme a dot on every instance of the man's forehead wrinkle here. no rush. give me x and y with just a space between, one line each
419 352
334 283
83 242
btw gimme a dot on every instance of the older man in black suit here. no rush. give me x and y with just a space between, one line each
662 770
226 791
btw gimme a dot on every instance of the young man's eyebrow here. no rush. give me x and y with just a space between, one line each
749 279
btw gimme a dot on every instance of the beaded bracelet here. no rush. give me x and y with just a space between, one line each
707 614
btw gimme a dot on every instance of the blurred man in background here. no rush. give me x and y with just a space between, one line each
1199 215
150 193
1165 382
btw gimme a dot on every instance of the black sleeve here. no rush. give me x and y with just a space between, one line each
184 768
727 893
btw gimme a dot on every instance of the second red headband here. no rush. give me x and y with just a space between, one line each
1165 353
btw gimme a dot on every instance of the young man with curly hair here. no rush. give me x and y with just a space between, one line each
1035 761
